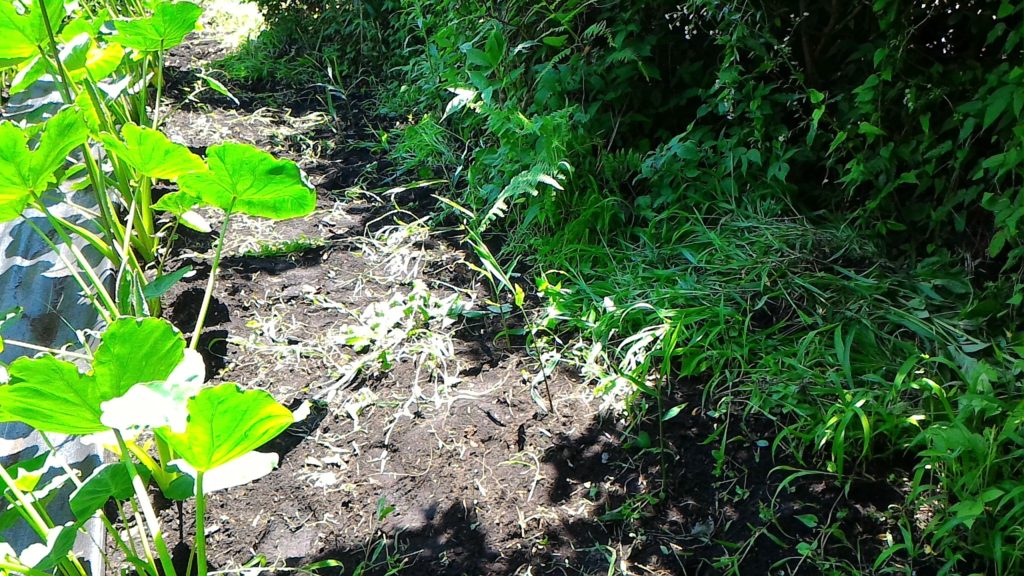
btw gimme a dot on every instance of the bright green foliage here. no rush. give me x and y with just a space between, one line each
165 29
53 396
245 179
24 33
26 173
94 61
177 203
153 154
226 423
117 363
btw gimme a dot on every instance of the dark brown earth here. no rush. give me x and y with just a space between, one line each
449 462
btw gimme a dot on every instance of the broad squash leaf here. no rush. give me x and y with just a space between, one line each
176 203
83 58
136 351
225 423
153 154
23 33
25 173
53 396
244 179
181 204
159 403
15 186
165 29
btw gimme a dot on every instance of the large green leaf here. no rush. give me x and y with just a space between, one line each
244 179
159 403
136 351
61 134
165 29
153 154
15 188
53 396
25 173
23 33
225 423
83 57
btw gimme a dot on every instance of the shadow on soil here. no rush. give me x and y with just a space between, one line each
662 508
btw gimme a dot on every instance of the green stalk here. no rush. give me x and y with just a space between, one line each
19 568
65 84
53 351
130 553
35 519
107 309
147 511
194 344
106 207
66 87
141 99
159 86
200 525
92 239
79 257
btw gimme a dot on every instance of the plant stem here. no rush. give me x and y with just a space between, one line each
54 351
107 308
194 344
65 85
159 86
152 521
18 568
531 341
130 552
200 526
55 223
37 522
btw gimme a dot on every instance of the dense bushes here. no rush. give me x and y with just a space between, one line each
811 204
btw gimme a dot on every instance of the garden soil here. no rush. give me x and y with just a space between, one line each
460 467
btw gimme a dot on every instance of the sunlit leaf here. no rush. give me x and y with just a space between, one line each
22 34
136 351
244 179
226 423
25 173
242 470
159 403
150 152
53 396
165 29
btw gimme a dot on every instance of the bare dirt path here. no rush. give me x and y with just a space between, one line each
429 448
